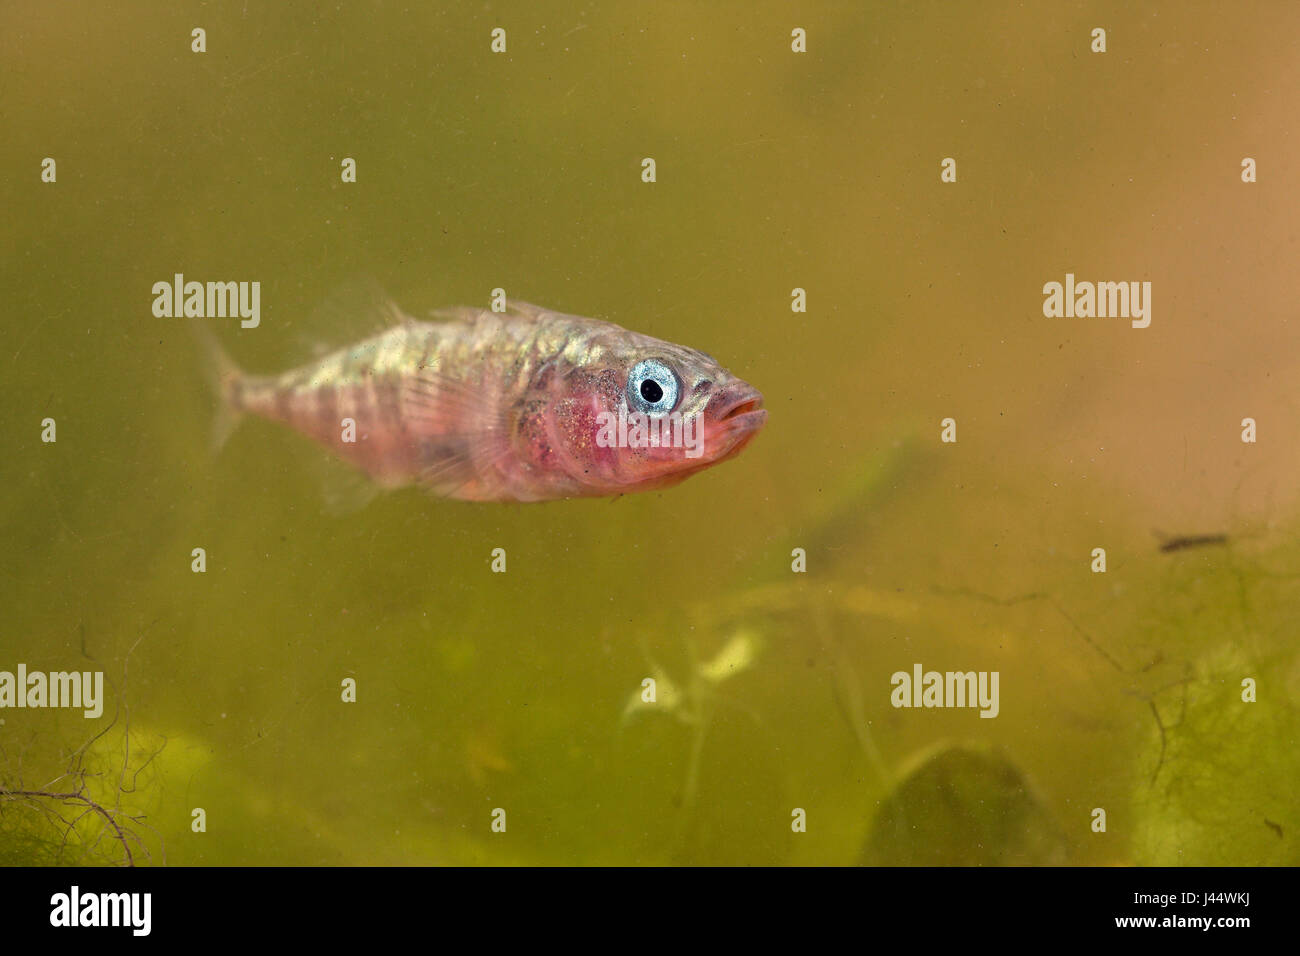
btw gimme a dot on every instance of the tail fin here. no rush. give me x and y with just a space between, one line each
224 377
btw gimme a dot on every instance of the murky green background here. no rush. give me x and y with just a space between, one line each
478 691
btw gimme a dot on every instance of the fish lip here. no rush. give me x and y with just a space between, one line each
740 403
748 421
741 417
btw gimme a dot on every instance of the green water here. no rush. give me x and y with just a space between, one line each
478 691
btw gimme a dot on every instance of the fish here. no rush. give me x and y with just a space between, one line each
523 405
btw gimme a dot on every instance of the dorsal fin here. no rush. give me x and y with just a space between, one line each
526 310
515 309
352 310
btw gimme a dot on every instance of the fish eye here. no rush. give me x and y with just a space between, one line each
652 387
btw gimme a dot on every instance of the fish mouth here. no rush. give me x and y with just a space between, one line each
740 409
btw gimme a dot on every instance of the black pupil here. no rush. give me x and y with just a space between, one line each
651 391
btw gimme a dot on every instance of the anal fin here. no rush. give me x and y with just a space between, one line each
344 489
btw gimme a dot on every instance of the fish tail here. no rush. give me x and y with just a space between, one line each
224 377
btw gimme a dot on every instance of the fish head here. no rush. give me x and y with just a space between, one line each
634 413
